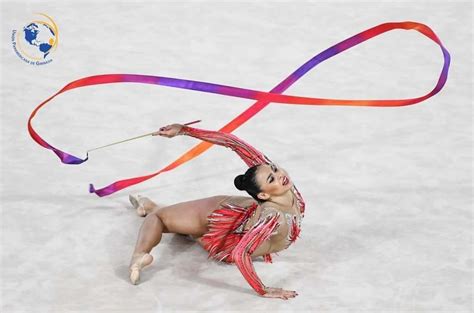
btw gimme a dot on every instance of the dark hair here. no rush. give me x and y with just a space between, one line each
248 183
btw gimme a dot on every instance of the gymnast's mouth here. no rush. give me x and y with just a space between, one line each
285 181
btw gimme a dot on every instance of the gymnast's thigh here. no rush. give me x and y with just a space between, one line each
190 217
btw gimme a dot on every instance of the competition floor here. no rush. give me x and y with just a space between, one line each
388 224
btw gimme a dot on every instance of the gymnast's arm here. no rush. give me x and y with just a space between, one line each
256 241
249 154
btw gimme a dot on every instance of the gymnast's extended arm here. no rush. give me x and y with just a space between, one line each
249 154
256 238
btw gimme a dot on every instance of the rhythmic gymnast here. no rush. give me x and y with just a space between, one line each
233 229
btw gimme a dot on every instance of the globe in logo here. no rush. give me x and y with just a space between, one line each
36 41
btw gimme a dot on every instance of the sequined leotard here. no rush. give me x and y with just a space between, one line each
240 225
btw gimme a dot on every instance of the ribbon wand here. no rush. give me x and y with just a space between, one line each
129 139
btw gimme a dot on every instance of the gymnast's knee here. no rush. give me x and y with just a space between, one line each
163 219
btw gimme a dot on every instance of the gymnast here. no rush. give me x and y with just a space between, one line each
233 229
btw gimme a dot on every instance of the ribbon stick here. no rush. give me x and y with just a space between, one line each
263 98
130 139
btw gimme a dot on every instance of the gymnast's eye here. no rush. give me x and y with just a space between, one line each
271 179
274 168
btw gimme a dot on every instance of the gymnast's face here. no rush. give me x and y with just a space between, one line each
273 181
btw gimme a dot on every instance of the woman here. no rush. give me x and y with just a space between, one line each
232 229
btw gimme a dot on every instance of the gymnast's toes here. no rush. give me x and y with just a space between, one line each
134 276
134 200
138 204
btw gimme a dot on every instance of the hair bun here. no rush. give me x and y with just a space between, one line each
239 182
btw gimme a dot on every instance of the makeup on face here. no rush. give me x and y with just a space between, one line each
276 177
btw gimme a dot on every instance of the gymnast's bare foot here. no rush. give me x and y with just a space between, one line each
138 262
143 205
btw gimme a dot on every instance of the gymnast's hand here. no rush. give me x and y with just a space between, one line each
279 293
168 131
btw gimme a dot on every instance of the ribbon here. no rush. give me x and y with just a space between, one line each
263 98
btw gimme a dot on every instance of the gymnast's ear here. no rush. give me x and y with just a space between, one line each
263 196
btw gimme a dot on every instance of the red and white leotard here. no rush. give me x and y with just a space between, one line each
230 239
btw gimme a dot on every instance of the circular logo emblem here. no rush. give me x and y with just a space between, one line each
36 41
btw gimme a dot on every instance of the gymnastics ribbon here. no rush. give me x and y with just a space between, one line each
263 98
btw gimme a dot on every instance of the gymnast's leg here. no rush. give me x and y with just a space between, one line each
148 237
189 218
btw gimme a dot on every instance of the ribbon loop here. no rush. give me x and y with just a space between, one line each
263 98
